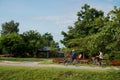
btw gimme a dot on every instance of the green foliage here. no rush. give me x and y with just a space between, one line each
90 21
49 42
47 38
94 32
12 43
9 27
32 41
27 73
26 44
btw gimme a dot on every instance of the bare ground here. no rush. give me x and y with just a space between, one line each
37 64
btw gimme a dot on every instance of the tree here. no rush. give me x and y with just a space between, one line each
94 32
87 21
9 27
47 37
49 42
26 44
33 42
12 44
90 21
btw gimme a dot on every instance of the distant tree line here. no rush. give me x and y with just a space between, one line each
93 32
26 44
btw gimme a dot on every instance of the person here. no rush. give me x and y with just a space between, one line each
74 56
100 57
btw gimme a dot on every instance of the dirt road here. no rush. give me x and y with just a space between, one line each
37 64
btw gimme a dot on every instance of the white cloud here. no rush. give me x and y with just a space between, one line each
57 19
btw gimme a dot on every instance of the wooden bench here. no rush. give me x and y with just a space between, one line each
59 60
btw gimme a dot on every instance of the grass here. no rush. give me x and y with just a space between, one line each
30 73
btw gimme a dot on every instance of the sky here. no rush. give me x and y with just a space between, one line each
52 16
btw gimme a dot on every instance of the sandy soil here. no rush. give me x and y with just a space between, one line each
37 64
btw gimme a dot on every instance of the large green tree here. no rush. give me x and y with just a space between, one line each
9 27
49 42
26 44
32 41
94 32
47 38
90 21
12 44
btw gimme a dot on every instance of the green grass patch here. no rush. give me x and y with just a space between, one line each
30 73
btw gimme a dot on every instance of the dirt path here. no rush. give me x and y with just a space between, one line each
37 64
